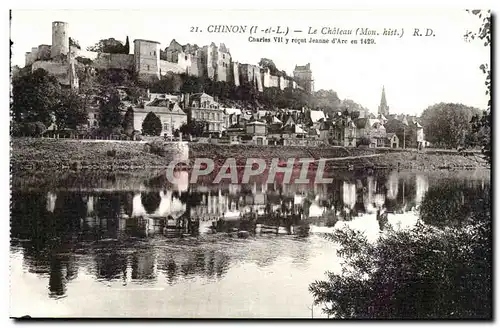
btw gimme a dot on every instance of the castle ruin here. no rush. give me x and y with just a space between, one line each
149 61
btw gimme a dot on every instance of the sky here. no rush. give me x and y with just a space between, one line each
416 71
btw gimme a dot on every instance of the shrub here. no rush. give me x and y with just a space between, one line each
363 141
155 147
111 153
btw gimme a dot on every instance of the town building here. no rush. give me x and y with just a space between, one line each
257 131
392 140
203 107
170 113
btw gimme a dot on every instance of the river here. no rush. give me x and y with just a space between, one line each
133 246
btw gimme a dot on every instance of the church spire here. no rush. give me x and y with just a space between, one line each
383 108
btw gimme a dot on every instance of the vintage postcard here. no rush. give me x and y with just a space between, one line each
251 164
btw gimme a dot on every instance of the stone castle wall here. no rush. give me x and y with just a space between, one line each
59 69
166 67
236 74
114 61
210 61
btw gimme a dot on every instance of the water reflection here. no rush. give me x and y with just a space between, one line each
173 234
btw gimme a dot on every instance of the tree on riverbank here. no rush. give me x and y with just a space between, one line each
194 128
420 273
449 125
70 112
128 121
35 96
151 125
481 124
110 117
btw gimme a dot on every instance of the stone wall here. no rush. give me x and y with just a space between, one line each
166 66
58 69
284 83
274 81
114 61
236 74
196 68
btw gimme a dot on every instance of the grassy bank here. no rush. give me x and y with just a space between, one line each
63 154
368 157
28 155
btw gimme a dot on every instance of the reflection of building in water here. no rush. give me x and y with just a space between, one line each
379 200
144 264
368 193
90 205
63 268
392 186
422 185
212 205
164 205
51 201
349 194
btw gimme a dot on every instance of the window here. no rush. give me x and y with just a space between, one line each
147 67
165 127
223 56
218 116
185 57
154 53
212 116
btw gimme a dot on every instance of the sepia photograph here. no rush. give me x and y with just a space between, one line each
251 164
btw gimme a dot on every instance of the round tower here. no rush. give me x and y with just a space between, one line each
60 39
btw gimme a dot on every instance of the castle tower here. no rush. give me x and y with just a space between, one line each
60 39
383 108
303 75
147 58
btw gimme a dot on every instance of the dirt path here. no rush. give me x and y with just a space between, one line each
347 157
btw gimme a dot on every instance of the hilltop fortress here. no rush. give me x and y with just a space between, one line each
149 61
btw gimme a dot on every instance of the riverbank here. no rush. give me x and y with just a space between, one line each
347 158
28 155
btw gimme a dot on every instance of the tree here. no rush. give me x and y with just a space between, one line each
327 100
110 45
126 49
420 273
110 105
152 125
28 129
115 77
70 112
74 43
35 96
128 121
268 63
194 128
448 124
481 124
192 84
